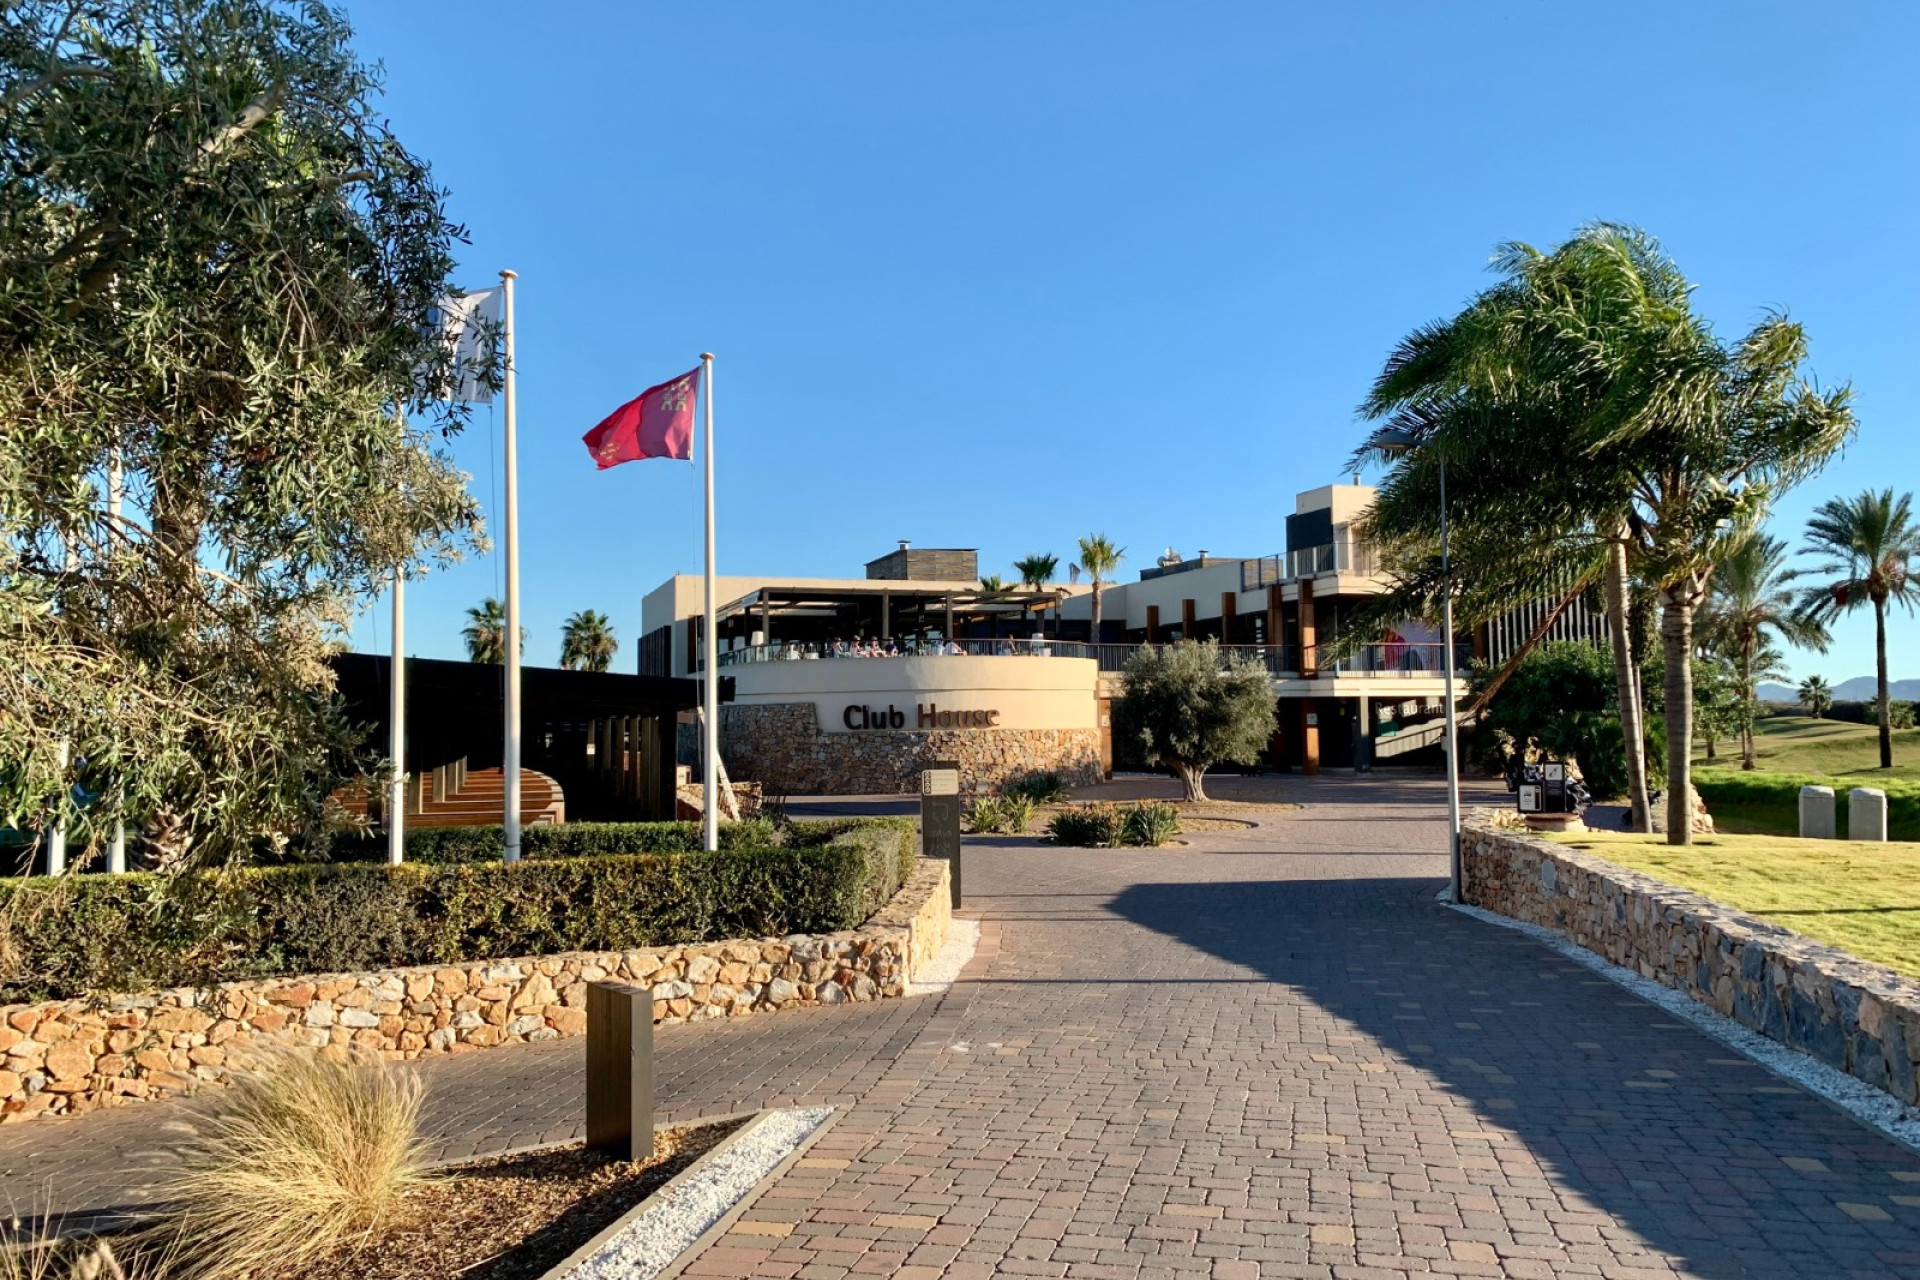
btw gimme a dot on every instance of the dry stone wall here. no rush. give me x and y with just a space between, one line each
780 746
1862 1018
67 1056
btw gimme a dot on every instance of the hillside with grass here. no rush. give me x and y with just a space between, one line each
1791 751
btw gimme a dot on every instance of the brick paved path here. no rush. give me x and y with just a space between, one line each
1269 1054
1244 1063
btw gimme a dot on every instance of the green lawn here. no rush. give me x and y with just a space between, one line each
1864 898
1801 744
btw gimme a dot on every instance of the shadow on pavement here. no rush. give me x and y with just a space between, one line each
1641 1117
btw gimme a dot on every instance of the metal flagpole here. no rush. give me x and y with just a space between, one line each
397 729
510 766
116 494
709 649
1453 728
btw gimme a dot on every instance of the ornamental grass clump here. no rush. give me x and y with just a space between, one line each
987 815
300 1155
1041 788
1017 810
1087 827
1149 824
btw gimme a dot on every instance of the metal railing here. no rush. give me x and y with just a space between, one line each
1343 556
1399 659
1391 659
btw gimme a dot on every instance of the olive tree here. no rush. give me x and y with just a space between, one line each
220 270
1190 706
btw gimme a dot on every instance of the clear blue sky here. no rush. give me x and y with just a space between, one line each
999 275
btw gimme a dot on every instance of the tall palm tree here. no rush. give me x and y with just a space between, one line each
1036 571
1098 559
1867 547
587 642
1665 440
1816 696
1749 604
486 632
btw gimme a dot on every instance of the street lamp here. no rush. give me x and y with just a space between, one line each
1391 442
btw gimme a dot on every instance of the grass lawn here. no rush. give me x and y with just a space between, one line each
1801 744
1864 898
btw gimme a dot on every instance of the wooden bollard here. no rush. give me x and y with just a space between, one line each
620 1070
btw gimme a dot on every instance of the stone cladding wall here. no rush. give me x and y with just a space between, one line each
780 746
1860 1017
67 1056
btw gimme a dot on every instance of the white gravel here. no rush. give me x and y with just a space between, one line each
1872 1107
677 1216
944 969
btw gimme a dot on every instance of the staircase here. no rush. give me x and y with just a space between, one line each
480 802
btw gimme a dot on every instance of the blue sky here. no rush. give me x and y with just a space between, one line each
1000 275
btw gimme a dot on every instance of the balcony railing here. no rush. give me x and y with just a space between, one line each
1393 659
1341 556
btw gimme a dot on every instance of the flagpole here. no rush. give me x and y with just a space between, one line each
710 648
510 544
397 730
116 496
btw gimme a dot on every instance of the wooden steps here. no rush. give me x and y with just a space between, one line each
480 802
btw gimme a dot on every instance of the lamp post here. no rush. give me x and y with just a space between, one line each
1395 443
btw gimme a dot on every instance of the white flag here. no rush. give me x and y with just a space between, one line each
470 327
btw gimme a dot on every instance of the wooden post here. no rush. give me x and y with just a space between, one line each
1274 624
1229 614
1186 619
1309 638
1153 624
620 1070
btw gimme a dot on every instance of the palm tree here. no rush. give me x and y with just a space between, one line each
1867 547
1664 440
1098 558
1036 571
992 585
587 642
1816 696
486 632
1748 605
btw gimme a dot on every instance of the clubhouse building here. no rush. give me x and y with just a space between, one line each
853 685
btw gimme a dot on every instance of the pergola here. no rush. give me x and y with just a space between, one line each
884 609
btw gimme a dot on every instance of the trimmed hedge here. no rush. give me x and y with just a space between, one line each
70 935
1771 801
447 846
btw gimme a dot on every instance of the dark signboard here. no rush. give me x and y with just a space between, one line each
940 817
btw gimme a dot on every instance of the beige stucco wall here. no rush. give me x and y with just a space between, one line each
1026 692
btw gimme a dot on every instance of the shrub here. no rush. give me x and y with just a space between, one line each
1899 714
300 1154
1086 827
1149 824
987 815
1018 811
1041 788
70 935
450 845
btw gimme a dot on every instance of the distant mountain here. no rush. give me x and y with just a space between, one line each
1858 689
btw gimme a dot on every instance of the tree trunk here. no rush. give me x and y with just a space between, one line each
1747 760
1632 731
1676 636
1192 781
1885 699
1095 637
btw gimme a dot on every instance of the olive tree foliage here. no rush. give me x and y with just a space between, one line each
1190 706
217 272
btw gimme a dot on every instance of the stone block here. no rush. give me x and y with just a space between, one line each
1816 813
1867 814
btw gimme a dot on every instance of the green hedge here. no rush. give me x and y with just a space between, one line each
1770 802
72 935
453 845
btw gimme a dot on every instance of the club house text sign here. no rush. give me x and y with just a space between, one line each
926 715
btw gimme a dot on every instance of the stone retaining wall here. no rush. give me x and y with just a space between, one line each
780 746
1860 1017
67 1056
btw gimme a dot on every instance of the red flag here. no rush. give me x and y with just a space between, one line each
656 424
